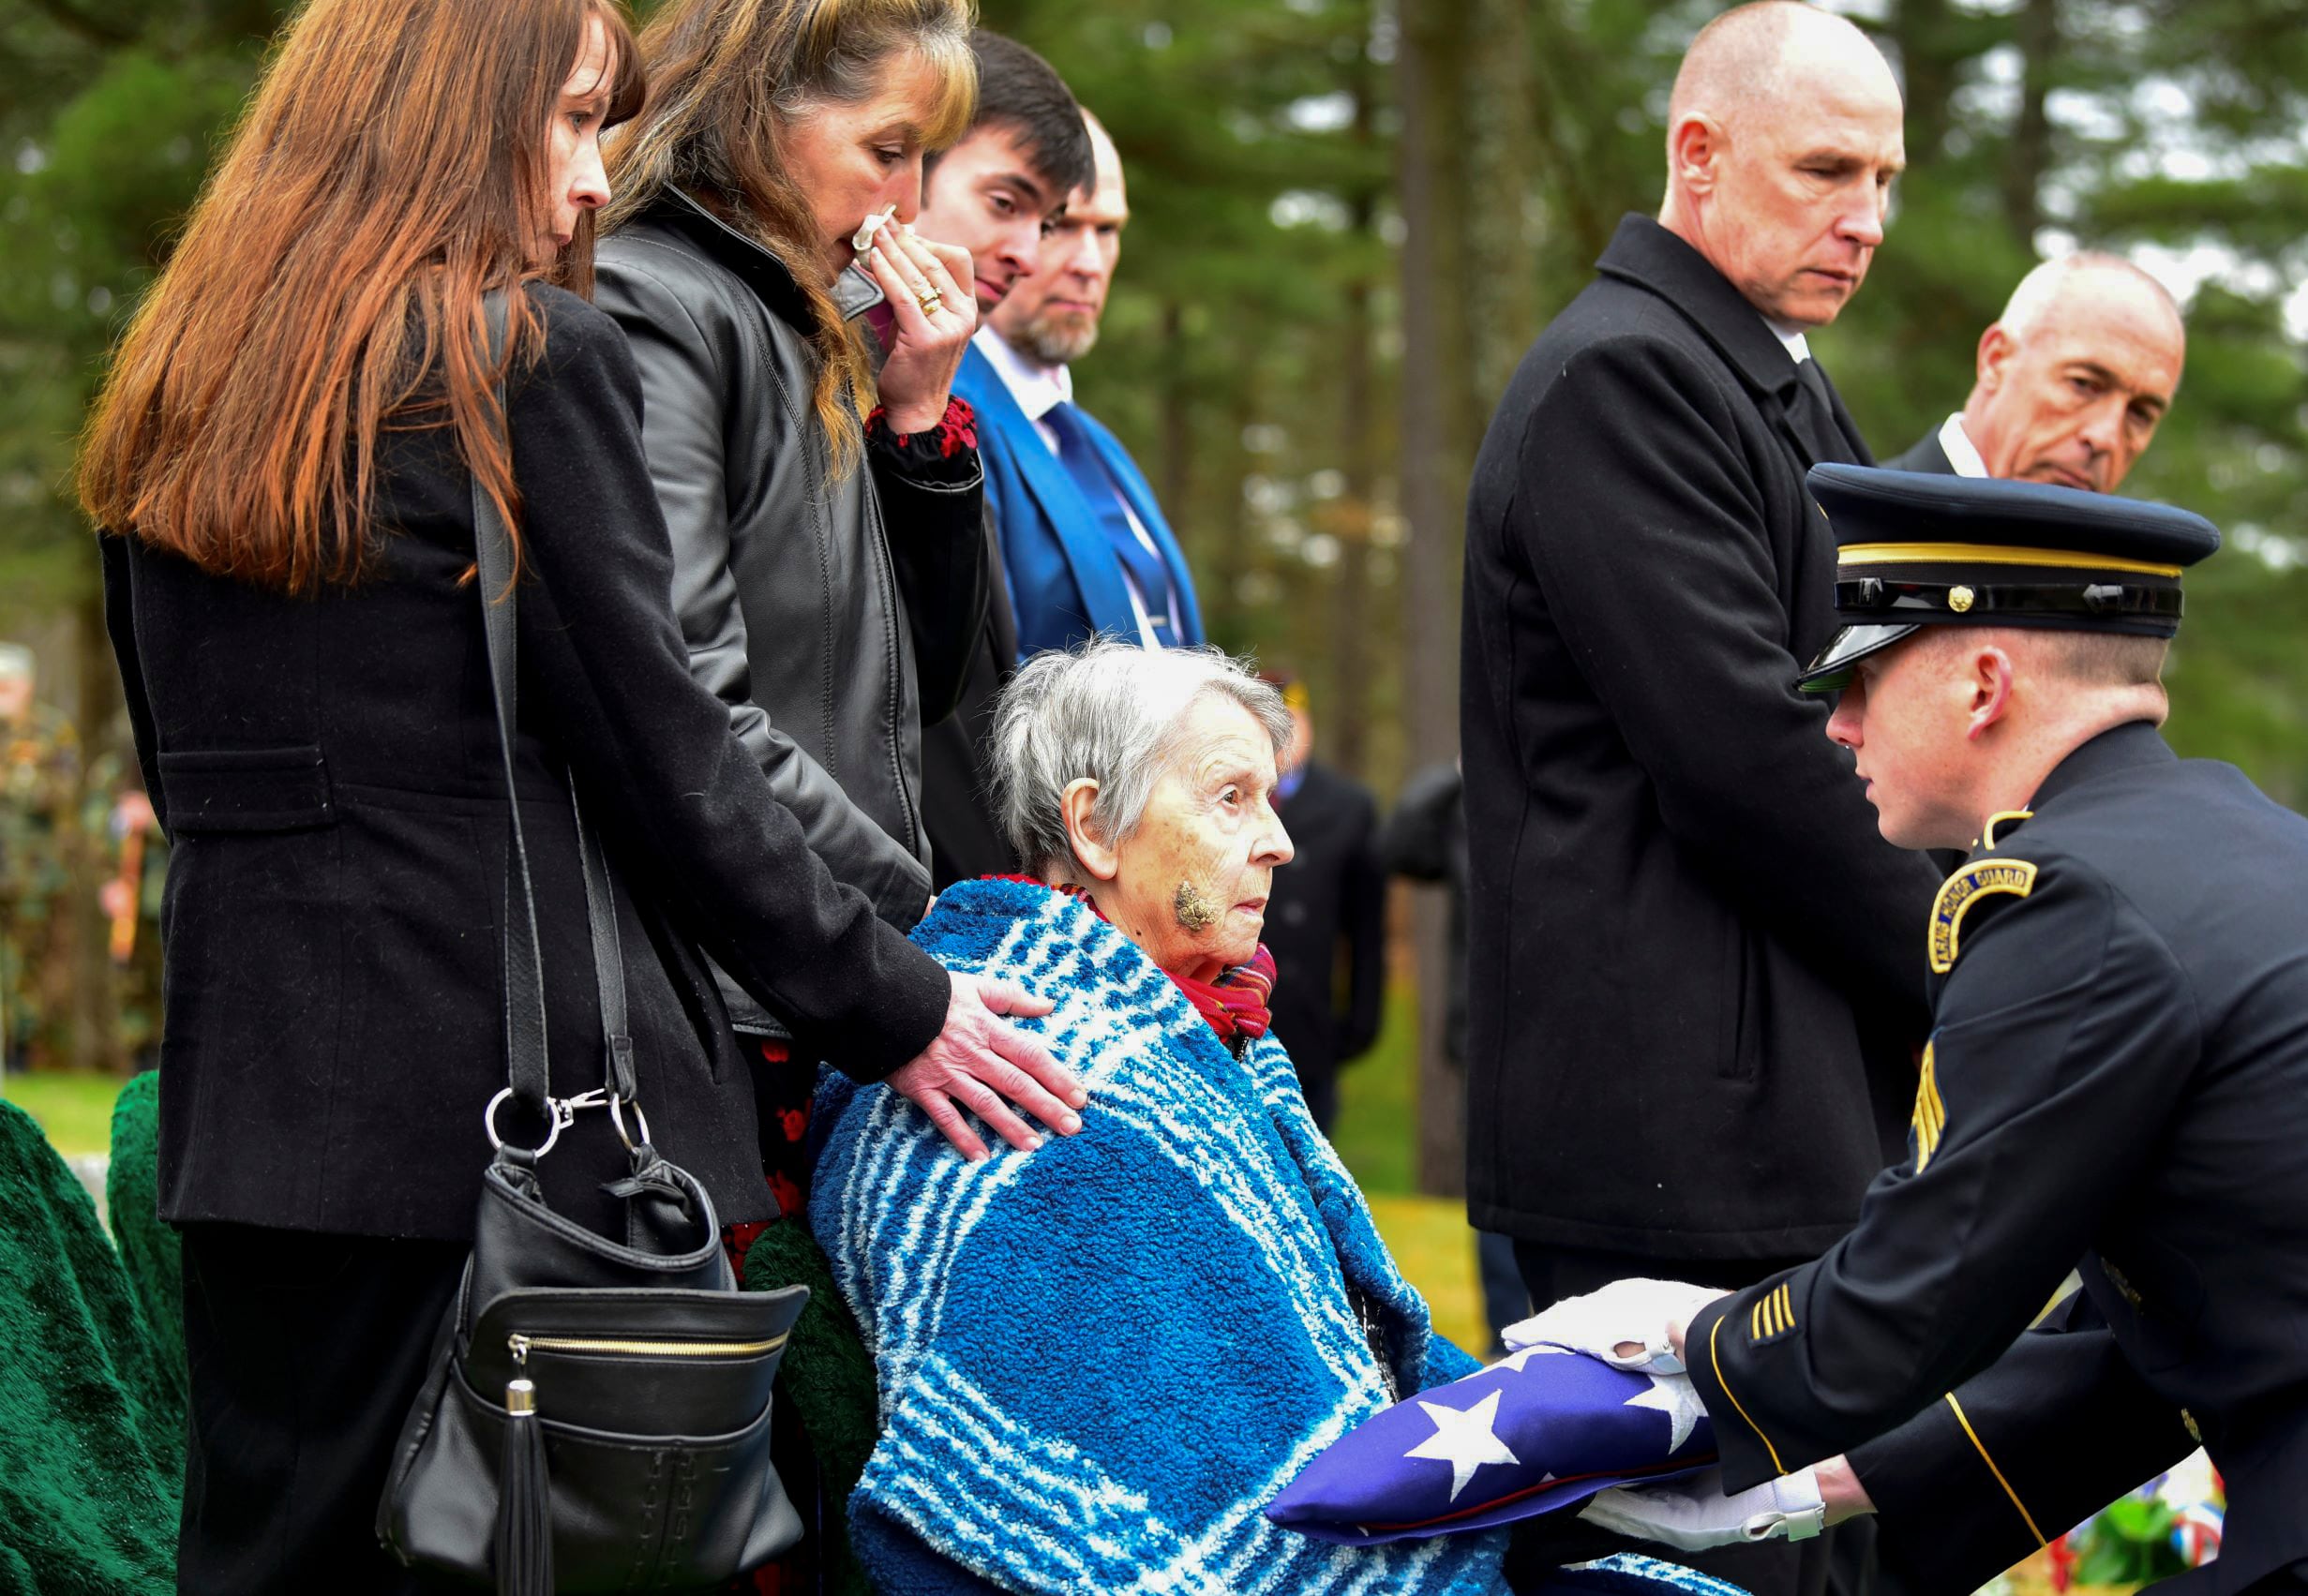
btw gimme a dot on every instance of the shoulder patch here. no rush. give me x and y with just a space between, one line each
1981 878
2011 817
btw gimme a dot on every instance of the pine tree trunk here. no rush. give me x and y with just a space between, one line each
1431 60
2031 151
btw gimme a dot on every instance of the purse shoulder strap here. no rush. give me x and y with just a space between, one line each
527 1066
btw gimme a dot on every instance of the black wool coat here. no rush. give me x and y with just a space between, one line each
1326 929
1693 999
327 769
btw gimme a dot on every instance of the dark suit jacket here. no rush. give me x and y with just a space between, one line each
1929 455
1065 581
1326 929
966 838
1691 954
328 772
1424 838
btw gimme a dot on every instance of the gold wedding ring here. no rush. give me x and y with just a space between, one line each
931 299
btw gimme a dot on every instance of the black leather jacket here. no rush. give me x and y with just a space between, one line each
833 617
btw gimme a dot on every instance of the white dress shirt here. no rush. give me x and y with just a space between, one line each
1958 446
1039 389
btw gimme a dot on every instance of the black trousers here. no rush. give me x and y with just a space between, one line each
305 1352
1841 1561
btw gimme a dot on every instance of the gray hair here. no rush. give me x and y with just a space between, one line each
2033 302
1113 713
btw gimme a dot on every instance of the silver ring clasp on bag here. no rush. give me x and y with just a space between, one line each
564 1112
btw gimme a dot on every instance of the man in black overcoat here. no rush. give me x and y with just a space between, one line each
2071 382
1326 919
1693 1007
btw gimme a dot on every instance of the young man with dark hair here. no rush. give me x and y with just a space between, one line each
994 193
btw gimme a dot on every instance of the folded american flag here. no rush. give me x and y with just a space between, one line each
1539 1430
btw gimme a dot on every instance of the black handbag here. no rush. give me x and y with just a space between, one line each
596 1414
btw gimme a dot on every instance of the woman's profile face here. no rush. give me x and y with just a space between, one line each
1191 883
574 181
852 160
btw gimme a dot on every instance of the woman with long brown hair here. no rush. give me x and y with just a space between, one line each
797 346
283 461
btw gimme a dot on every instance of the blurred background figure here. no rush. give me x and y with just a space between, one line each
136 868
2074 377
40 782
1425 840
1326 917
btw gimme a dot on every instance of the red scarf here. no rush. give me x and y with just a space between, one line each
1235 1003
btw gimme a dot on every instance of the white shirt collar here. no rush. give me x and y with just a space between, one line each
1038 388
1959 447
1798 347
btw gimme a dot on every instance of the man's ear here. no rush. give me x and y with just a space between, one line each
1991 684
1694 146
1995 349
1077 804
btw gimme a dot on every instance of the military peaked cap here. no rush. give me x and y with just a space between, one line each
1917 548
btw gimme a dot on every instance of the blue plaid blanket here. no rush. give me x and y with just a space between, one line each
1099 1362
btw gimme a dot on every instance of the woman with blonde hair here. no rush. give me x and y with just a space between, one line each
797 346
284 459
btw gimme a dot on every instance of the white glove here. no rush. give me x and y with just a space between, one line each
1625 1311
1692 1514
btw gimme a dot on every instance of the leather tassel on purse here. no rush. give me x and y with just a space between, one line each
524 1498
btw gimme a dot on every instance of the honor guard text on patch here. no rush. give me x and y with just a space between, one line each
1981 878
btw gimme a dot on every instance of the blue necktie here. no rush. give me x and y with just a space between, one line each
1079 456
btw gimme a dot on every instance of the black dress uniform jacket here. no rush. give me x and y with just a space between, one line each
1326 929
834 615
2117 1072
328 771
1690 951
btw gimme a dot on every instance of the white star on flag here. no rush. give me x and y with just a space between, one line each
1464 1439
1674 1395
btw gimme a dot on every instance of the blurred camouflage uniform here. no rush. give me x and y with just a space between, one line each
132 862
39 783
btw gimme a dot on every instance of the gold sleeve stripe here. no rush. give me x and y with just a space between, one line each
1787 1303
1755 1322
2025 1516
1993 554
1930 1118
1771 1316
1776 1466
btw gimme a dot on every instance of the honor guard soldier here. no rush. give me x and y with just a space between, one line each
2116 1074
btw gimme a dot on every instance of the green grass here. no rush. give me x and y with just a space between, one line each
1377 1129
1377 1137
75 1108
